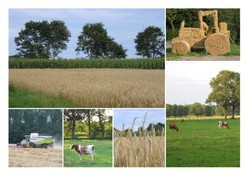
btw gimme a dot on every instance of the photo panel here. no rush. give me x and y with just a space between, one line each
203 114
203 34
35 138
139 138
88 137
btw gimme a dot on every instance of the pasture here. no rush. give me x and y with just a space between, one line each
34 157
102 158
199 143
92 87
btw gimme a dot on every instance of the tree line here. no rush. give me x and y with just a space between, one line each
87 124
196 109
25 121
46 40
157 128
174 17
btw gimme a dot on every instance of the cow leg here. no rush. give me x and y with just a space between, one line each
80 156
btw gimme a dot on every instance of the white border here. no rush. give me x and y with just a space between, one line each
6 4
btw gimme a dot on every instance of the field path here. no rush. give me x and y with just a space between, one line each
209 58
98 88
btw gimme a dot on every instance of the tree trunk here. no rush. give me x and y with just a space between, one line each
233 112
225 112
101 125
173 28
89 125
73 130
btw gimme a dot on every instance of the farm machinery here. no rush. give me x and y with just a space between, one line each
216 41
34 140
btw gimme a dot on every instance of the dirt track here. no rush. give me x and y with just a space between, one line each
30 157
210 58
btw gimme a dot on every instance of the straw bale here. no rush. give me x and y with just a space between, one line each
217 44
192 35
180 46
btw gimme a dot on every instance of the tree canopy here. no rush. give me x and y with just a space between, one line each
87 123
150 43
43 121
42 39
225 90
95 43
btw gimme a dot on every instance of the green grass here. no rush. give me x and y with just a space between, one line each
25 98
199 143
200 52
103 154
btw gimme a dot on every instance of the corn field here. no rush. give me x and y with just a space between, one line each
88 63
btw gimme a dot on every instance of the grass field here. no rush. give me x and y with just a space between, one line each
34 157
89 87
200 52
25 98
199 143
103 154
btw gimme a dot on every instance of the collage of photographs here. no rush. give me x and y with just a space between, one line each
124 87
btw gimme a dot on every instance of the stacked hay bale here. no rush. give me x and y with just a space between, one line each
217 44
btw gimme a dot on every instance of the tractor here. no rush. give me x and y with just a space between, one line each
34 140
216 41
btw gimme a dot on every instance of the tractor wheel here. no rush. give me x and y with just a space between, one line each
217 44
180 47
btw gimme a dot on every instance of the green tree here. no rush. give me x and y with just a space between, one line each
168 110
42 39
72 115
95 43
207 110
150 42
196 109
225 90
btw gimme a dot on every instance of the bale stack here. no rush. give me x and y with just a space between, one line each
217 44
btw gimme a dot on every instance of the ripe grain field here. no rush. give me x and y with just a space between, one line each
96 87
199 143
34 157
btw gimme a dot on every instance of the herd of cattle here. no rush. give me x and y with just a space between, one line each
172 126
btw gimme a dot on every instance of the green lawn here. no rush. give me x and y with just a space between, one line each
199 52
199 143
103 154
25 98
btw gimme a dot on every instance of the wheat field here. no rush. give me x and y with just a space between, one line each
34 157
96 87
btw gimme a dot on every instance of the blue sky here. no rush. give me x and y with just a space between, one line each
122 24
188 82
126 116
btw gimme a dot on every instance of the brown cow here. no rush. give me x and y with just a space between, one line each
223 124
182 120
173 126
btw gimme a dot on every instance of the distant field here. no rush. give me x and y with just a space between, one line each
103 154
199 143
93 87
34 157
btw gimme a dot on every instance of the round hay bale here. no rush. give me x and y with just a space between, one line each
217 44
180 47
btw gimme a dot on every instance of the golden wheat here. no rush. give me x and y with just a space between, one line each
96 87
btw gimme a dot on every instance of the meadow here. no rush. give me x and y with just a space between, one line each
102 158
34 157
88 87
199 143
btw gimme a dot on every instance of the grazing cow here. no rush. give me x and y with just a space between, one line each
173 126
83 150
182 120
223 124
